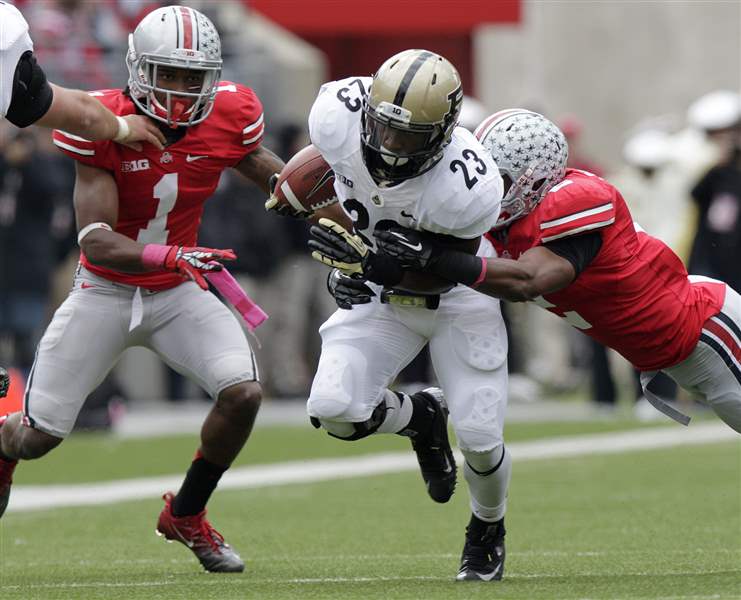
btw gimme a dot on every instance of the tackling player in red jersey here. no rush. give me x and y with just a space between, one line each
566 240
141 276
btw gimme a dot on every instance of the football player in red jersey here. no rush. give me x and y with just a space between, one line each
566 241
140 277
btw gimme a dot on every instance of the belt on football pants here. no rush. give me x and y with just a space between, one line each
410 299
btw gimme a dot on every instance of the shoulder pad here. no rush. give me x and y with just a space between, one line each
334 120
94 153
463 196
581 202
237 108
115 100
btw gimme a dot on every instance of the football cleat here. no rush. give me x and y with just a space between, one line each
483 554
4 382
6 479
203 540
6 476
435 457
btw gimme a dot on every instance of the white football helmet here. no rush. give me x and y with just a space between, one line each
531 153
409 114
180 37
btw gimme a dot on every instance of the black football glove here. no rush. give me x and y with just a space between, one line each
408 247
284 210
347 290
333 245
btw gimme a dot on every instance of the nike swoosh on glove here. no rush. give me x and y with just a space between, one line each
192 261
409 247
333 245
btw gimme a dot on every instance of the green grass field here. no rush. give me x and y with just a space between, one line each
661 524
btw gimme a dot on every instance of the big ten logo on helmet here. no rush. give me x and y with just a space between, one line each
187 53
131 166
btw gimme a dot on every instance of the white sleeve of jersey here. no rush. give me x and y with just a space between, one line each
465 193
14 41
334 120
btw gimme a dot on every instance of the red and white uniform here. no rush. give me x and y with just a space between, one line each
161 196
635 295
634 292
162 192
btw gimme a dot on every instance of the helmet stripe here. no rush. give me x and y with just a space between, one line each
178 27
483 129
409 75
187 28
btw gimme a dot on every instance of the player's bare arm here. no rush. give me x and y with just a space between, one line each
259 166
96 201
79 113
538 271
96 210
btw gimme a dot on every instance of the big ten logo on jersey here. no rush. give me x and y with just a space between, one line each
132 166
344 180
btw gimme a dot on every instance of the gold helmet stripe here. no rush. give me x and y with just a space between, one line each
409 75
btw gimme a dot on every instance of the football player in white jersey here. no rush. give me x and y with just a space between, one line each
398 157
27 98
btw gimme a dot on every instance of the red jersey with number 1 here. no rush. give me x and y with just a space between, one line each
161 193
635 295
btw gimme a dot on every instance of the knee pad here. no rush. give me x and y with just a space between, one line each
485 463
350 432
335 385
479 420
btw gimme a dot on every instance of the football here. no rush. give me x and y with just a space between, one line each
306 182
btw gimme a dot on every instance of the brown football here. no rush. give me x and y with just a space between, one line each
306 182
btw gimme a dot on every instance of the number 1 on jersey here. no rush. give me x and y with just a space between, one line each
166 191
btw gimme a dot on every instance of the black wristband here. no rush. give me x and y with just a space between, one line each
458 266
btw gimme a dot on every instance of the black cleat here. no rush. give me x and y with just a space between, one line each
483 553
4 382
435 457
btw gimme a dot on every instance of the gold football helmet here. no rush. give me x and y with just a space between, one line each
409 115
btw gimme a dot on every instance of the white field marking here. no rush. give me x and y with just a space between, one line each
354 558
39 497
234 582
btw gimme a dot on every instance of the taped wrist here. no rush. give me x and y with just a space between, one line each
154 256
459 267
123 130
91 227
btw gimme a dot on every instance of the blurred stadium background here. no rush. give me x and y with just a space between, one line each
648 94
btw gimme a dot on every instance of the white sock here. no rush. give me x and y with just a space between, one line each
398 413
488 492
